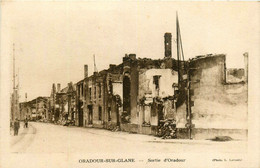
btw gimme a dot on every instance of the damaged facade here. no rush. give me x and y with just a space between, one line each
219 104
129 96
148 93
62 104
99 98
104 98
66 104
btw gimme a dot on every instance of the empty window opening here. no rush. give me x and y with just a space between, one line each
90 114
156 81
126 94
90 93
99 90
100 113
95 92
82 90
109 113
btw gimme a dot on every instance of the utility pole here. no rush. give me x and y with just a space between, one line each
188 102
18 106
14 110
26 105
13 67
36 106
14 90
184 82
178 48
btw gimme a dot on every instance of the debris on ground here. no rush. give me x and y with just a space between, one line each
117 128
167 129
69 123
222 138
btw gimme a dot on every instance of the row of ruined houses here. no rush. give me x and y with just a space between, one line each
140 94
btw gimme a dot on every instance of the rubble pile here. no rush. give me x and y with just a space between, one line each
117 128
222 138
69 123
113 127
167 129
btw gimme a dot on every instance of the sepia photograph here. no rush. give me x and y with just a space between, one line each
129 84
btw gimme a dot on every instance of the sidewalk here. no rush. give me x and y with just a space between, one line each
149 138
143 138
21 133
21 129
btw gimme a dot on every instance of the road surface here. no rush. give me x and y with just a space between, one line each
50 138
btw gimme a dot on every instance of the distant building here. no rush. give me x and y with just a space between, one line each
25 110
36 109
62 104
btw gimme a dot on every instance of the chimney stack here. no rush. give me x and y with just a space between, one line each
58 87
246 66
69 84
132 56
85 71
167 45
125 58
53 88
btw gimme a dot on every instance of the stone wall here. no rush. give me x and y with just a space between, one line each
217 106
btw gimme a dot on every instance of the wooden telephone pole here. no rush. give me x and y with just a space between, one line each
184 78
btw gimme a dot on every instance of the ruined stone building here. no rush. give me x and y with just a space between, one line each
147 93
132 96
66 103
62 103
220 104
94 105
98 98
201 97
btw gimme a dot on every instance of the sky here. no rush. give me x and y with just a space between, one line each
53 40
